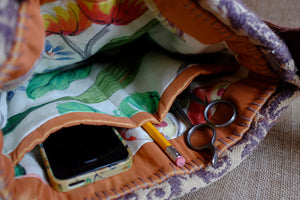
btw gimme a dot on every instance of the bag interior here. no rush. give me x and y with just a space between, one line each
131 80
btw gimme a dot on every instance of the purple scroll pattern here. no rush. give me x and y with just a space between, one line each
8 23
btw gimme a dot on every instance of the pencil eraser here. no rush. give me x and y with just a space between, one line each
180 161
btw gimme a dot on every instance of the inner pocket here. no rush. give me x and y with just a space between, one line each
129 87
125 90
149 160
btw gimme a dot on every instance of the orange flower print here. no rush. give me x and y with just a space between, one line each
107 12
72 17
67 20
118 12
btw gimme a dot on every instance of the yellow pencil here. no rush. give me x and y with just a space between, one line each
166 146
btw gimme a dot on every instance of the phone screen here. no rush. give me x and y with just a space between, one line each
80 149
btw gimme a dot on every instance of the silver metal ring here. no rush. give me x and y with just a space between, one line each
199 126
221 101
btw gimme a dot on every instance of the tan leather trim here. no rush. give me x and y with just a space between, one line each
29 43
248 104
192 15
71 119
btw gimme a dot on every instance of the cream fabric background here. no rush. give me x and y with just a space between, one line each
273 170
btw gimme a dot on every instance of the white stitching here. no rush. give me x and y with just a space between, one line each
152 181
256 104
136 184
219 150
11 67
224 142
118 195
144 182
98 195
187 168
23 26
25 15
198 165
130 188
124 191
261 98
250 120
266 92
192 166
232 139
203 161
164 173
244 125
251 109
175 172
19 39
159 176
237 134
106 195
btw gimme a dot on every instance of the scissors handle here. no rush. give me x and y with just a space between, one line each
210 105
210 145
220 101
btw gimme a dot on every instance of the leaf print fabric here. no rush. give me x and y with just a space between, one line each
116 89
114 77
130 106
140 101
56 80
64 108
110 78
19 170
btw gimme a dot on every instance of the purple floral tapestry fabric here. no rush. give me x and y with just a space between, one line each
8 22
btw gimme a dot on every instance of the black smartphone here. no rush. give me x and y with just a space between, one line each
82 154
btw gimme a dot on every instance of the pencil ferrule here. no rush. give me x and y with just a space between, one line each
172 153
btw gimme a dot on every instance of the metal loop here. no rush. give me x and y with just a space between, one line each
221 101
209 145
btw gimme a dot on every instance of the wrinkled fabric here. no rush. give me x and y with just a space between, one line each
122 63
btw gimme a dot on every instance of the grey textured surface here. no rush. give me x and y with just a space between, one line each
280 12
